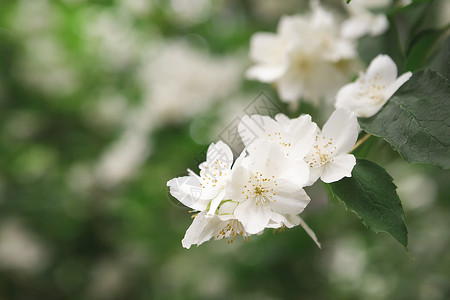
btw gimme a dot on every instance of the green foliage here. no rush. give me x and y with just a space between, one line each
423 47
371 194
416 120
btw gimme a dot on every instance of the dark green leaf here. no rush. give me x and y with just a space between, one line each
371 194
423 46
440 60
416 120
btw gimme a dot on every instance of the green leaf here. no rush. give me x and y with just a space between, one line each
440 61
371 194
416 120
423 46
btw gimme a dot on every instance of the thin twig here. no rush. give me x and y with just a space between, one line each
361 140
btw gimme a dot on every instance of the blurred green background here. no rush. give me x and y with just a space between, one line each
102 102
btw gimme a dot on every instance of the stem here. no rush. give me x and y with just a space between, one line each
361 140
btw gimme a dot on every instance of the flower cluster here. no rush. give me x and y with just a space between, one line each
305 50
312 55
263 187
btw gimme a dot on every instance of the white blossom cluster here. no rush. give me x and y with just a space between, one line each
312 55
263 187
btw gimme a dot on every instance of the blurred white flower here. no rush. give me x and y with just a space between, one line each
329 158
363 21
46 66
307 58
137 7
192 11
417 190
34 17
348 261
267 185
372 89
180 81
20 249
111 38
122 158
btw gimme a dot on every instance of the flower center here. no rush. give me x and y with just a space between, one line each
321 153
277 137
374 90
231 230
260 188
212 175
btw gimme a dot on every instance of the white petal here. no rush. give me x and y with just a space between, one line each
348 97
267 158
282 119
240 160
254 217
292 220
343 128
221 152
302 131
289 198
384 67
354 28
215 203
314 175
397 84
239 178
290 28
340 167
266 72
201 230
226 210
309 231
380 24
290 87
279 220
266 47
188 191
256 126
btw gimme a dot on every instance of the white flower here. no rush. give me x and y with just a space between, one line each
372 90
295 136
305 51
329 158
207 190
362 21
220 226
267 184
208 194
